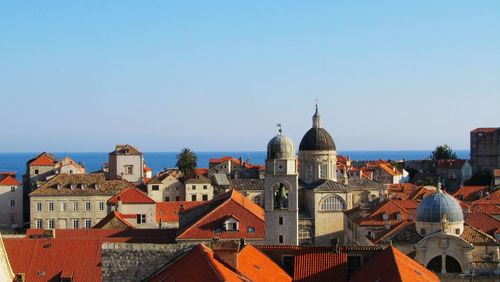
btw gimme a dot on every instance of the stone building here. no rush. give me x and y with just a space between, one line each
320 194
485 148
72 201
166 187
127 163
11 201
135 207
198 188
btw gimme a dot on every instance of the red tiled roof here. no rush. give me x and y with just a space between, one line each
486 207
390 169
391 208
450 164
494 198
484 129
230 203
9 181
392 265
146 169
224 159
169 211
131 196
394 229
201 171
114 215
152 236
469 193
325 266
42 160
256 266
46 259
484 222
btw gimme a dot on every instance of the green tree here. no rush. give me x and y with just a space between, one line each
482 177
186 161
443 152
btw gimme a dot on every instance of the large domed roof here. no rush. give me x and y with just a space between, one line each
432 208
317 138
281 147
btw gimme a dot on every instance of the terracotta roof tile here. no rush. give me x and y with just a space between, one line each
393 265
131 196
476 236
485 129
43 159
470 193
484 222
224 159
125 149
256 266
110 217
169 211
9 181
325 266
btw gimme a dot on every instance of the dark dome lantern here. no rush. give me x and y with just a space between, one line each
317 138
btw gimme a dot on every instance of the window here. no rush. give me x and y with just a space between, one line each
280 239
75 206
13 189
87 206
251 230
36 171
129 169
12 219
177 188
38 223
155 187
385 216
399 216
204 197
304 233
323 171
218 230
76 223
193 187
167 199
88 223
205 187
193 198
101 206
332 203
141 218
12 203
422 231
280 220
457 231
62 206
51 224
38 206
177 198
51 206
256 200
70 171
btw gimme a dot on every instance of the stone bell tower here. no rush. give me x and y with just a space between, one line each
281 192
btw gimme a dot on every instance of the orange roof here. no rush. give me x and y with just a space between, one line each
494 198
484 222
47 259
390 169
252 266
484 129
114 215
486 207
224 159
42 160
469 193
216 210
393 265
391 208
169 211
131 196
9 181
146 169
324 266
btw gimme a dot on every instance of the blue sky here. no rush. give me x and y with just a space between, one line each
218 75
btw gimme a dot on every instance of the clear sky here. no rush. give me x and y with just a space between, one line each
219 75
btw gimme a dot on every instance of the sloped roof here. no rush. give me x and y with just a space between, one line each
223 159
169 211
65 181
408 225
494 198
486 207
393 265
353 184
114 215
247 184
256 266
469 193
44 159
212 214
125 149
46 259
390 169
484 129
131 195
325 266
208 268
9 181
484 222
476 236
407 209
158 179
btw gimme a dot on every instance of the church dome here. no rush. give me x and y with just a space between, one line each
317 138
281 147
432 208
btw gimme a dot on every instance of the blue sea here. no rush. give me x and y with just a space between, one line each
16 162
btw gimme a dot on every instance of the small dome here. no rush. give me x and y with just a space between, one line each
432 208
281 147
317 139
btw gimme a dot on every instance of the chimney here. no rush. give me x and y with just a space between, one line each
227 252
119 207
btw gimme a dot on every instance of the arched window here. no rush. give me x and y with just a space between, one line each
332 203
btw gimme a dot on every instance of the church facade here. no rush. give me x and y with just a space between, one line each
304 198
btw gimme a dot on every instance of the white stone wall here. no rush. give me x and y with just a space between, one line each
315 165
148 209
199 190
328 224
63 219
6 273
170 187
118 163
6 211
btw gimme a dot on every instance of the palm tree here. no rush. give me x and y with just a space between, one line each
186 161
